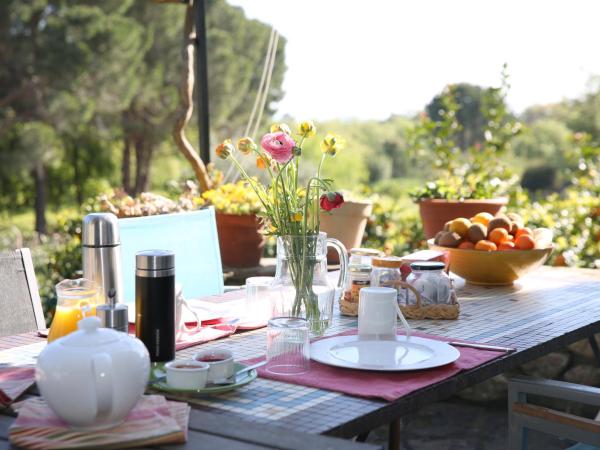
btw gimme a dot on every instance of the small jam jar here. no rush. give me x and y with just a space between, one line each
359 276
386 272
432 282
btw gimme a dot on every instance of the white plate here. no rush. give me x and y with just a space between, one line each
383 355
204 311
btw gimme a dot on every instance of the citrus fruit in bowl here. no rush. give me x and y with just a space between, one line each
493 268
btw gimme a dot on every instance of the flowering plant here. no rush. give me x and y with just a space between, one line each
291 211
288 208
232 198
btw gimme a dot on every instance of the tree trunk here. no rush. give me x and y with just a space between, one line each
126 165
39 176
186 108
143 154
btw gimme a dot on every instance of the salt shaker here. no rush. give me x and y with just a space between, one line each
102 254
112 314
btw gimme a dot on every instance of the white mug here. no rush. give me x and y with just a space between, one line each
378 311
181 329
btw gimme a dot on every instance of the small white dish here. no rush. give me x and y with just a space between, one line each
186 374
221 365
387 355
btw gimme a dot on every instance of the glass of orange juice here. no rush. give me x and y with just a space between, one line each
76 299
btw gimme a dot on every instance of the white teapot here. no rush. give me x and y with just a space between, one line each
93 377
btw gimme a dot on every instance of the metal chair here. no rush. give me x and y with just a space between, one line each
20 305
524 415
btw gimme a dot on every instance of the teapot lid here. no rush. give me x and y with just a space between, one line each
89 334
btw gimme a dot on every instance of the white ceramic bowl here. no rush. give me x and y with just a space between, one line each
186 374
220 362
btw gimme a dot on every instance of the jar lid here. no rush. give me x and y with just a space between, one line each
155 260
428 265
359 268
360 251
393 262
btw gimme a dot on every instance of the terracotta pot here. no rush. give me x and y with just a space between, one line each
240 240
436 212
346 224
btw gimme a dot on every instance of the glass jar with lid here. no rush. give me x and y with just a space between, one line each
359 276
363 255
386 272
432 282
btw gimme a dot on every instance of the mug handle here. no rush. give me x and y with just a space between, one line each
343 255
407 327
198 326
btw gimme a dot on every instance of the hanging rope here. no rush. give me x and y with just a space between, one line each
261 94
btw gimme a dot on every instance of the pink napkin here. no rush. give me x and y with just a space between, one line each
386 385
13 382
152 421
206 334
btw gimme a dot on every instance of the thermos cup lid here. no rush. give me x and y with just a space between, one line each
101 230
155 260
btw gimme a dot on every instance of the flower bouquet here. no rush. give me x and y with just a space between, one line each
291 210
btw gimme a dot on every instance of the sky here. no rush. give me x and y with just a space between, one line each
374 58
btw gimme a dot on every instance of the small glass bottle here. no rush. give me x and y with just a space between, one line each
386 272
359 276
432 282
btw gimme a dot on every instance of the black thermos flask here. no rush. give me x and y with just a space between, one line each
155 303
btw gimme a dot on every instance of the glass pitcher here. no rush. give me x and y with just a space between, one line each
301 287
76 299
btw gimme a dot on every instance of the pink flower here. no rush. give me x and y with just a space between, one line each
279 145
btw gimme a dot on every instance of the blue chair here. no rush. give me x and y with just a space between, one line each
191 235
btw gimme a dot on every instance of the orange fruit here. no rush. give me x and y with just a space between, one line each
484 245
525 242
522 231
482 218
467 245
509 238
498 235
506 245
460 226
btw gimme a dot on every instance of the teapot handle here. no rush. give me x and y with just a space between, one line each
102 375
343 254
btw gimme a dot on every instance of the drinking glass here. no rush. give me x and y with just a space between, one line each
288 347
258 298
76 299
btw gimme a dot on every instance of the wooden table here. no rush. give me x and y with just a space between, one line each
541 313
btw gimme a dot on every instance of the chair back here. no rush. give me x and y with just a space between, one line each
191 235
20 305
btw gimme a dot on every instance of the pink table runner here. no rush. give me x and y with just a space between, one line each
13 382
386 385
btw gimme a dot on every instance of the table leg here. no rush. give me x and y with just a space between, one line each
394 436
362 437
595 349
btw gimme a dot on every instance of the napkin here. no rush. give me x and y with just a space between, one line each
153 421
13 382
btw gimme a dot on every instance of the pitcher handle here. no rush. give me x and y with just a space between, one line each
343 254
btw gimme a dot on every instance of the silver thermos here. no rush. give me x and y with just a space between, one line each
102 255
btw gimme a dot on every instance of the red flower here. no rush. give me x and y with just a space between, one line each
331 200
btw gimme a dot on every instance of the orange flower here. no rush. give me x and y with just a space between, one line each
225 149
262 162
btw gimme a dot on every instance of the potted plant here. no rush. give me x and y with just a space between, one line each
347 223
240 238
472 180
290 209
